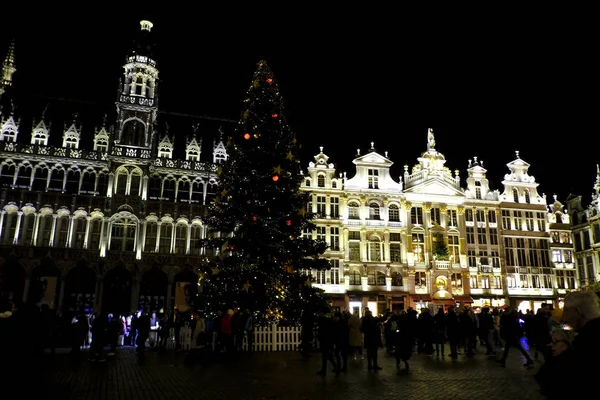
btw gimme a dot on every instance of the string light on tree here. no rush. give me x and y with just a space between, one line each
264 215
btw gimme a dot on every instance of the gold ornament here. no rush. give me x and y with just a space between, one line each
216 270
289 156
246 286
277 170
302 211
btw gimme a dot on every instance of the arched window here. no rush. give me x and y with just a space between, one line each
197 192
57 180
78 238
196 240
88 182
139 85
95 232
9 224
121 181
168 192
181 239
134 133
45 227
24 176
374 211
102 188
122 237
353 210
7 175
375 249
321 181
166 234
154 187
62 231
527 196
396 279
40 178
27 225
135 184
151 234
183 191
355 278
515 195
394 213
477 190
72 186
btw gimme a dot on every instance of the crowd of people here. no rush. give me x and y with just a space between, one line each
564 340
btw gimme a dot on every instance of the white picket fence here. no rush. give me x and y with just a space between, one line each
275 338
266 338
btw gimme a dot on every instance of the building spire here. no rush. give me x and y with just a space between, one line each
8 68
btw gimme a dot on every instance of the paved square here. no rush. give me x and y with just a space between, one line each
284 375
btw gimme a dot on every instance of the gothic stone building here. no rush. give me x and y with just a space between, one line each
386 236
115 225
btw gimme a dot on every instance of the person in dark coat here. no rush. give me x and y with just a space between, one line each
404 338
372 338
452 331
341 335
510 331
326 341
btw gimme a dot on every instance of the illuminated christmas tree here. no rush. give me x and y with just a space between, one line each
261 215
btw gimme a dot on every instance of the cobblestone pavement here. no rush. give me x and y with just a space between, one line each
286 376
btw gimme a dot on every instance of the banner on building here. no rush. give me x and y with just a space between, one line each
182 296
49 291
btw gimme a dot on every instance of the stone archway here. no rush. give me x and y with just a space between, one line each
80 289
44 285
185 288
153 289
12 280
116 295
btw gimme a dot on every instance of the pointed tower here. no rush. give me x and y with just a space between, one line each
9 129
478 186
595 203
8 69
219 150
519 186
137 105
72 135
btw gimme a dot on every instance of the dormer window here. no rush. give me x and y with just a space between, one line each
321 181
515 195
527 197
333 185
478 190
307 183
373 175
71 144
39 141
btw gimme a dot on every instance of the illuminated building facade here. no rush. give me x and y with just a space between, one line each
115 225
425 241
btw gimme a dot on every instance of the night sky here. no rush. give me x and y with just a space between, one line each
486 88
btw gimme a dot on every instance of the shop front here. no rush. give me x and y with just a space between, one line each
532 304
492 302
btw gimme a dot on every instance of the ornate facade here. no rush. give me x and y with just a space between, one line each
115 225
424 240
586 235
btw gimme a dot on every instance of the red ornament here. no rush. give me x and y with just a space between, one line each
269 80
246 136
274 115
288 222
275 178
254 218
